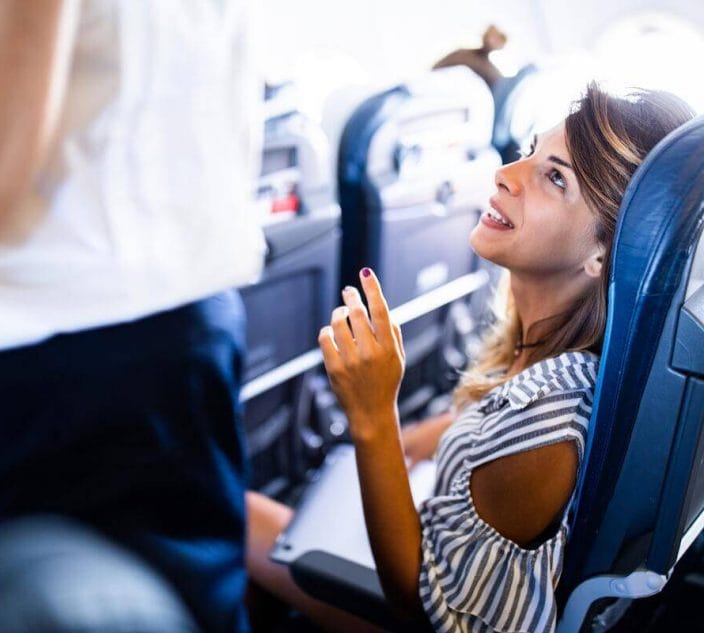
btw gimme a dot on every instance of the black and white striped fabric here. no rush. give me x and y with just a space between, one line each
472 578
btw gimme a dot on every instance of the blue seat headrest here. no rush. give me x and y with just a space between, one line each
659 226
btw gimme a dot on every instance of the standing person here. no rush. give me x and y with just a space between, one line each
477 59
484 552
128 137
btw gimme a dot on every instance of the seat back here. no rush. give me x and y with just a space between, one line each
641 493
413 163
293 298
506 137
415 171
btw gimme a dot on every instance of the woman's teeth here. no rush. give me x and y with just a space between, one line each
495 215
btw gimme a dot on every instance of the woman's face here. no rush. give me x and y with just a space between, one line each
539 224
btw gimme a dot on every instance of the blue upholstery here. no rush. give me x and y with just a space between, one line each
361 244
647 414
505 93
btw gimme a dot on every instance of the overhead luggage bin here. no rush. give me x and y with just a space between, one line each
294 297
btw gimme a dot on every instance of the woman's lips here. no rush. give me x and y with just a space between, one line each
495 218
489 221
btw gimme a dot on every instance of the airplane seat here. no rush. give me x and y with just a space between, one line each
535 99
60 575
640 497
294 296
337 109
640 501
507 138
415 168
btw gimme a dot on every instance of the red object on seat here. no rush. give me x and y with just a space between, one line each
289 202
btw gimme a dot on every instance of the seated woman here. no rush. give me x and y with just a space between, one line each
484 553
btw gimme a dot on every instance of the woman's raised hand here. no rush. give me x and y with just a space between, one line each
364 357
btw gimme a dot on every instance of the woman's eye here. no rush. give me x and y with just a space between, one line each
557 179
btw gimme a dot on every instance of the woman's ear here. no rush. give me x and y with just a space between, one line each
595 263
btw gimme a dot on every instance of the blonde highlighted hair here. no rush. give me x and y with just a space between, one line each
607 138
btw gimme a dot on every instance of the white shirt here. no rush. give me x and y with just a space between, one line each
144 201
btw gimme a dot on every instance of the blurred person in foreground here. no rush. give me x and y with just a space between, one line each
127 137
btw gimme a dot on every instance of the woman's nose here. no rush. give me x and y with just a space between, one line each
508 178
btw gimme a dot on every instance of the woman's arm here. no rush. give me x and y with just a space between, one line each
392 520
519 495
522 495
36 39
365 363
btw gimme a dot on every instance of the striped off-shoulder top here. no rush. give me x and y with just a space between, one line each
472 578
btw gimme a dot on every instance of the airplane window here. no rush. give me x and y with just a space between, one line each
653 50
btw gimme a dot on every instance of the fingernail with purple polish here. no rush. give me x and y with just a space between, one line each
366 272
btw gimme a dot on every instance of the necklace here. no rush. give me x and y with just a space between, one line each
521 346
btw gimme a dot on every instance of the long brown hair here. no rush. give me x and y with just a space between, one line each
607 138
